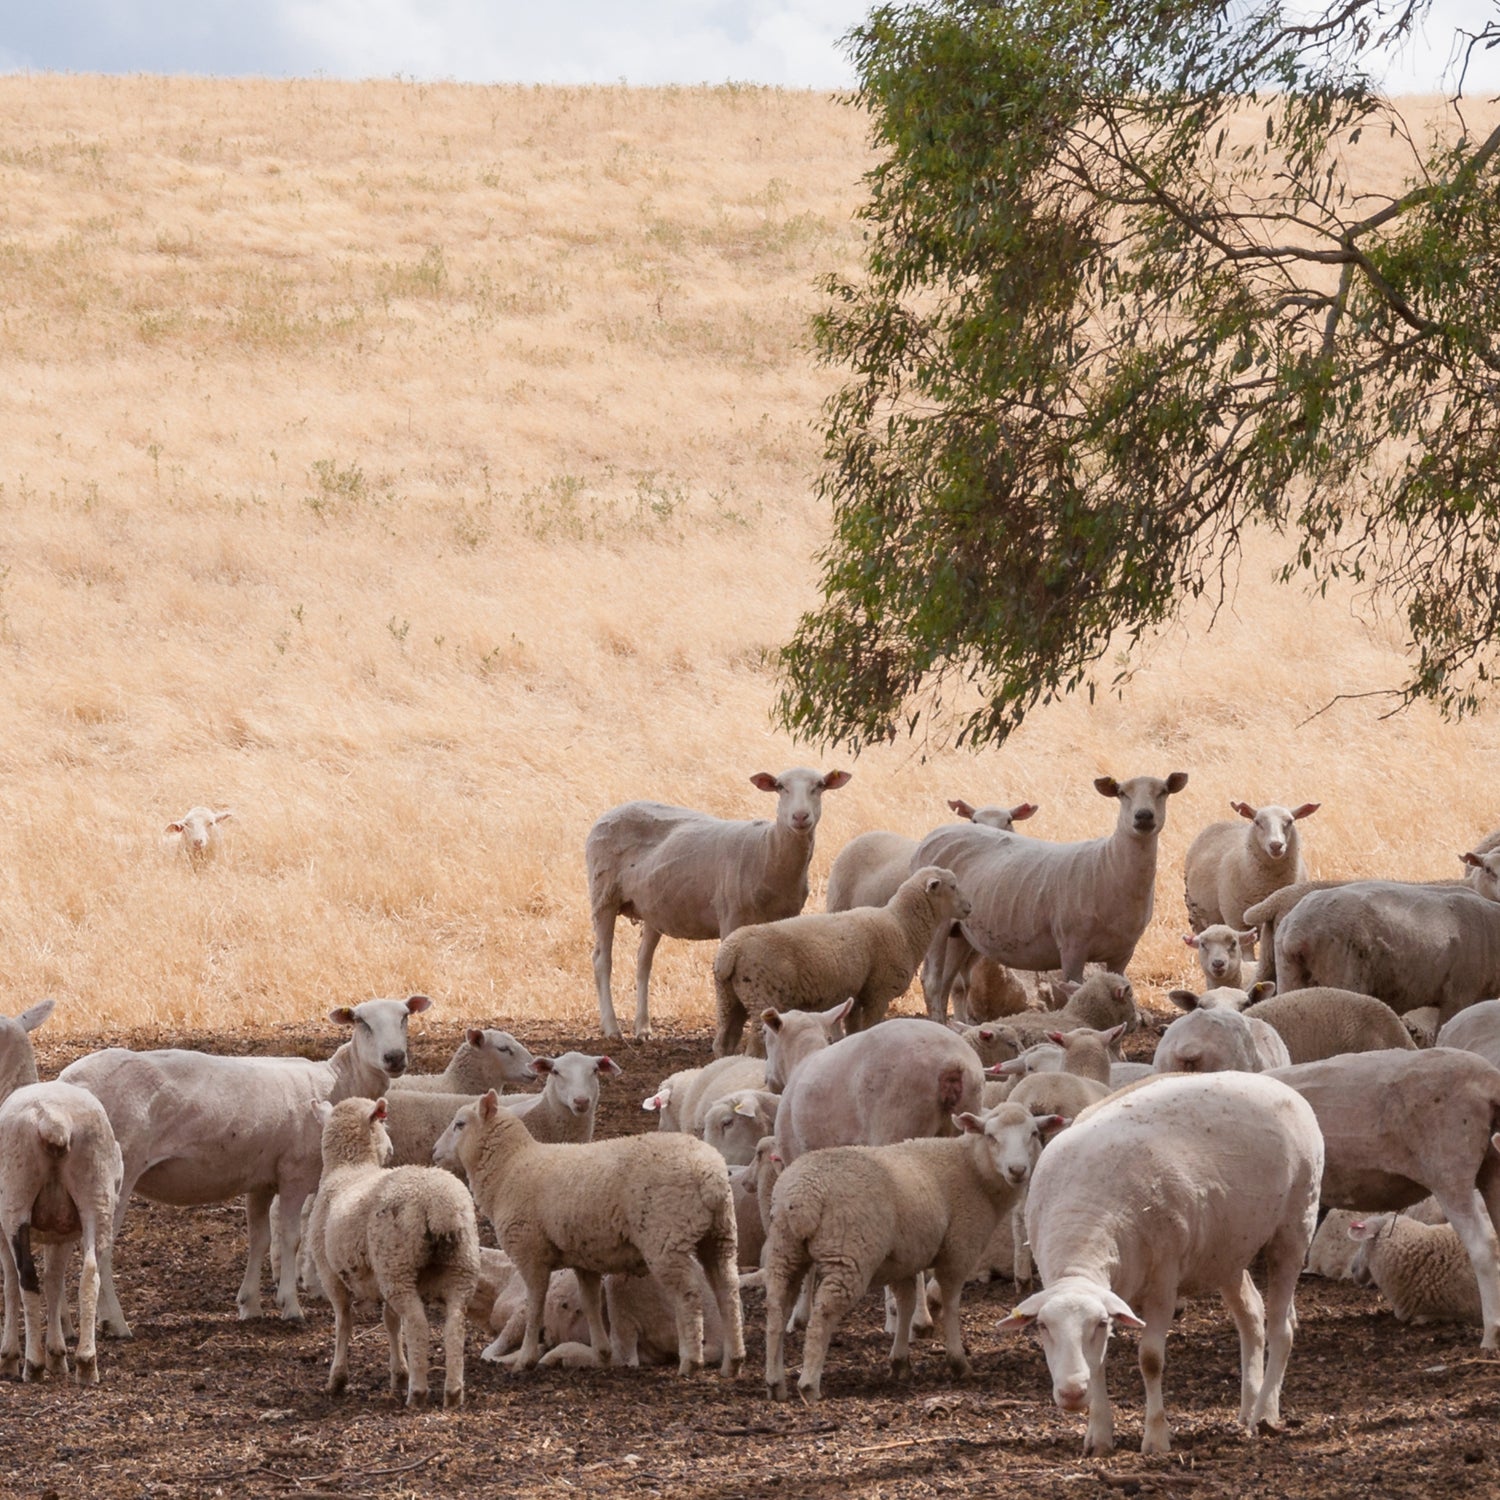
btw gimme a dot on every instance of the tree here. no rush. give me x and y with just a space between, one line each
1123 301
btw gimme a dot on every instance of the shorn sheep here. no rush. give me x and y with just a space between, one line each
1230 867
484 1059
1040 905
684 874
197 832
659 1203
1220 1170
812 961
60 1175
402 1237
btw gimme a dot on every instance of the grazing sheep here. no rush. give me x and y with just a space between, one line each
1220 1169
811 961
684 874
1422 1270
403 1237
1222 953
633 1204
734 1124
860 1216
1216 1039
1475 1029
1040 905
569 1100
1400 1125
1102 1002
1325 1022
484 1060
1409 945
197 832
682 1100
60 1174
794 1037
194 1128
1230 867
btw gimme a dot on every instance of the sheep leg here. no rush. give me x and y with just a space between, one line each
604 945
412 1335
1468 1214
1021 1267
292 1204
454 1328
650 937
54 1294
113 1316
1283 1267
784 1283
537 1279
840 1286
950 1281
681 1286
952 955
68 1331
904 1294
88 1302
258 1227
590 1290
1157 1436
724 1282
1249 1314
343 1305
10 1341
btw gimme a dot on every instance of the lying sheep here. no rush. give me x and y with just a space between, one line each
194 1128
403 1237
1220 1169
992 1044
1039 905
60 1176
1422 1270
1223 953
1219 1039
1331 1254
484 1060
986 991
684 874
736 1123
633 1204
859 1216
811 961
1230 867
197 832
1325 1022
682 1100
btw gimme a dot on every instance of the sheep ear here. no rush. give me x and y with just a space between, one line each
219 817
1069 988
954 1024
1119 1310
474 1037
771 1018
34 1015
1049 1125
835 779
765 782
1472 859
962 808
343 1014
839 1013
1107 786
1262 989
1306 810
1060 1037
1023 1314
745 1107
489 1105
1176 781
321 1109
378 1111
417 1003
968 1124
1368 1229
658 1100
1023 810
541 1066
1191 939
608 1067
175 827
1183 999
1244 809
1115 1032
934 883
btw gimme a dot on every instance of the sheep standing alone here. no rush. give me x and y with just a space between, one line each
684 874
1220 1169
1230 867
1039 905
60 1174
811 961
197 832
1420 1269
632 1204
402 1237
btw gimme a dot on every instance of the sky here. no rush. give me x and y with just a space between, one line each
792 43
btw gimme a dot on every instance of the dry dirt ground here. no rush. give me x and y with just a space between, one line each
199 1404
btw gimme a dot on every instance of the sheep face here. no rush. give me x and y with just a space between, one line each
379 1038
1012 1139
799 795
198 830
1272 828
574 1078
994 816
1143 800
514 1058
1483 873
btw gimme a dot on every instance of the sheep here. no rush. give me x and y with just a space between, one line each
633 1204
1400 1125
1409 945
681 1100
484 1060
734 1124
564 1326
1325 1022
858 1216
1420 1269
569 1100
1214 1039
869 869
1039 905
17 1059
1103 1001
794 1037
1221 1168
991 1044
197 832
60 1176
1421 1025
810 961
1482 867
403 1237
1475 1029
684 874
195 1128
752 1186
1331 1254
986 991
1229 867
1222 952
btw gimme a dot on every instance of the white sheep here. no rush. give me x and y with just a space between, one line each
484 1059
1482 866
403 1237
17 1058
1216 1039
991 1043
1476 1028
1400 1125
197 832
811 961
1230 867
1103 1001
752 1186
735 1124
569 1100
987 991
1421 1025
858 1216
1219 1169
1040 905
194 1128
1222 953
1422 1270
682 1100
1331 1254
684 874
794 1037
60 1175
1325 1022
632 1204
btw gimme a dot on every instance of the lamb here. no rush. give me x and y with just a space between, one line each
60 1174
735 1123
484 1060
1409 945
1420 1269
811 961
633 1204
1222 1169
991 1044
1325 1022
1230 867
1400 1125
793 1038
986 991
682 1100
1218 1039
1039 905
870 869
1475 1029
684 874
569 1100
1222 952
197 832
752 1186
194 1128
858 1216
1102 1002
404 1238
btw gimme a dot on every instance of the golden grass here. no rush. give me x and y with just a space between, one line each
420 470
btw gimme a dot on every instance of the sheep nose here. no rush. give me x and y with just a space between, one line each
1218 966
1277 848
395 1063
1017 1174
580 1103
1145 821
801 821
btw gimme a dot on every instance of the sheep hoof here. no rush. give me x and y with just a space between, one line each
416 1398
901 1369
690 1367
34 1372
959 1364
87 1369
809 1392
732 1368
249 1311
10 1367
776 1390
57 1362
454 1397
113 1330
338 1383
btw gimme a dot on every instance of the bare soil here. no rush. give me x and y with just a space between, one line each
201 1404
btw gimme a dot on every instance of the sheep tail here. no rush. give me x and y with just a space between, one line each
24 1262
950 1089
